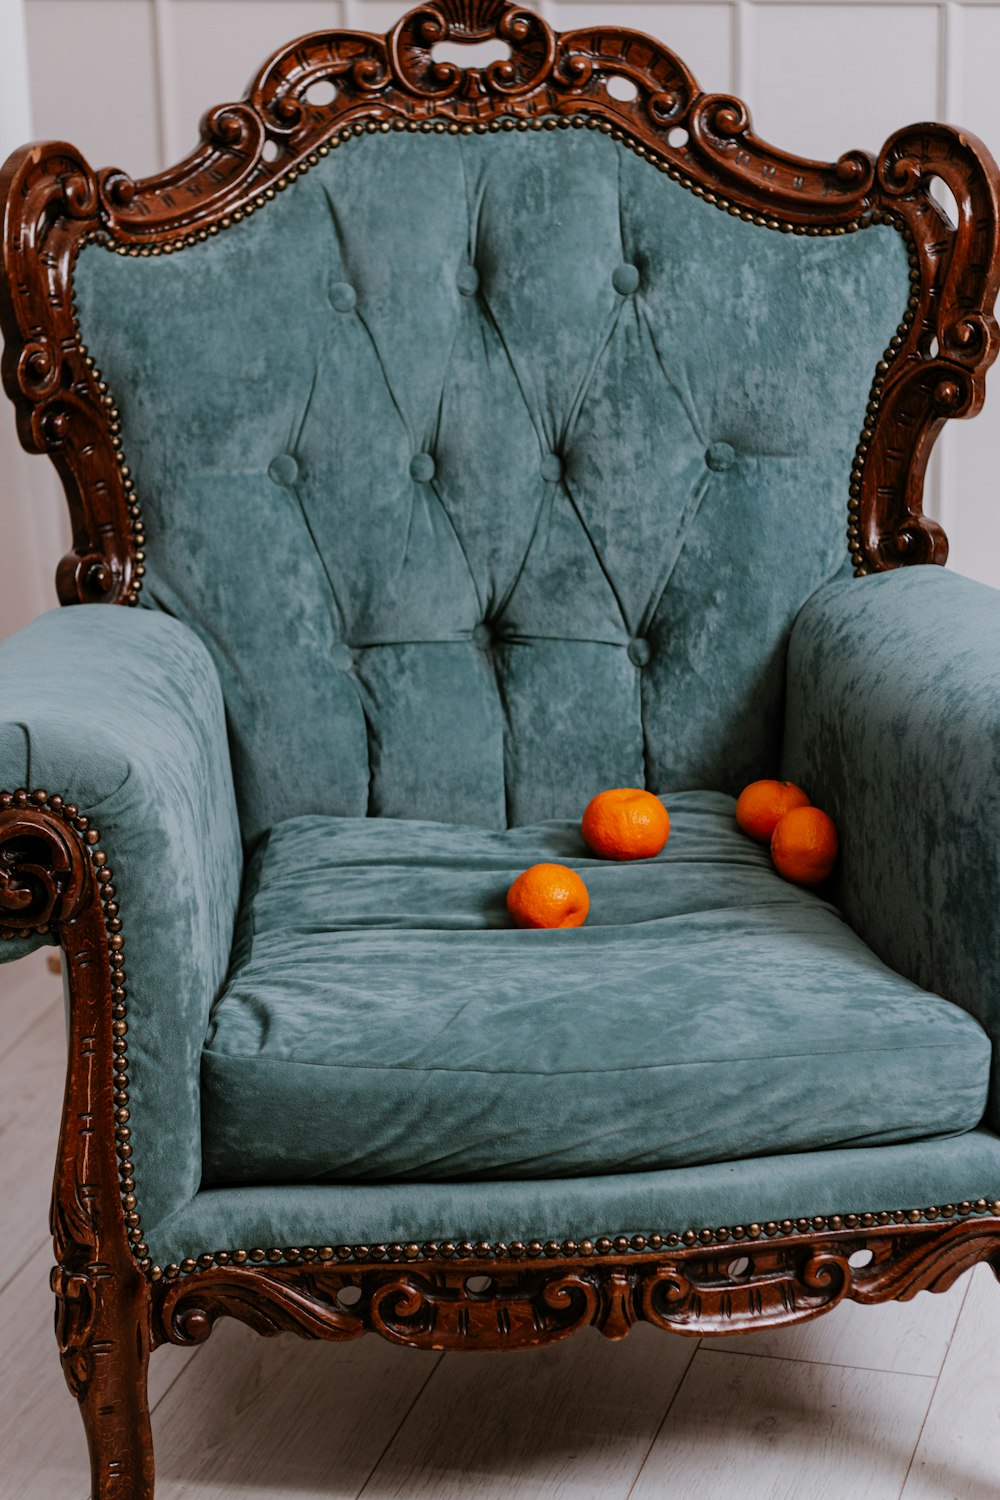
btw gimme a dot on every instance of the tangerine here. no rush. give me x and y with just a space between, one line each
625 823
761 806
804 846
548 896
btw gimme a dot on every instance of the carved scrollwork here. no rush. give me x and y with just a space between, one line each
780 1285
54 202
926 1260
952 338
74 1281
267 1303
491 1306
440 1311
38 369
412 40
43 870
805 192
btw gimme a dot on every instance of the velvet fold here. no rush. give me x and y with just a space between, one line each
384 1020
120 712
492 469
893 725
873 1179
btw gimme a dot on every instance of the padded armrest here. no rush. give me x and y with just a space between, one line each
120 711
893 726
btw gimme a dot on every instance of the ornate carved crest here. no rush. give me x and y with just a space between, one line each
53 201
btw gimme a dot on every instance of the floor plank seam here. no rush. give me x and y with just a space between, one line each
797 1359
937 1381
655 1438
22 1036
38 1248
179 1376
45 1007
399 1427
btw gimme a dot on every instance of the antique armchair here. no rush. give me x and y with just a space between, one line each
470 441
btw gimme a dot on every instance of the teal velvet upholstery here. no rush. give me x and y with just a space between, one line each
479 473
893 723
868 1179
120 711
384 1020
474 462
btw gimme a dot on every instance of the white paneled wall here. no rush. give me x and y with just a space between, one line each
33 533
128 80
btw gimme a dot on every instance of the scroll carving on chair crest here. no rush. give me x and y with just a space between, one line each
500 1305
530 40
250 151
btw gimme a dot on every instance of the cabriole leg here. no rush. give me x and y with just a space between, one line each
103 1337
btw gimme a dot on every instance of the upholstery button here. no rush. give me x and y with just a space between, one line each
343 297
342 656
422 468
720 457
552 466
639 651
467 280
283 469
482 636
625 279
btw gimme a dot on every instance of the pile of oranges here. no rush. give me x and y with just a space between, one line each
627 823
803 839
624 823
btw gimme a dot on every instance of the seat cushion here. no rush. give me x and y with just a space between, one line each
383 1020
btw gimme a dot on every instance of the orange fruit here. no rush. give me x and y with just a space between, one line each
548 896
625 823
804 846
761 805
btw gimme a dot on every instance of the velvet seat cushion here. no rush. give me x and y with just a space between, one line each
383 1021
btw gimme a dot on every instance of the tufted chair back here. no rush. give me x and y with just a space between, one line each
493 467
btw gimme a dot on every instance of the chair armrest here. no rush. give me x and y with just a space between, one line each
893 726
119 711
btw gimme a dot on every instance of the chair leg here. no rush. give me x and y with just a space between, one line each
103 1337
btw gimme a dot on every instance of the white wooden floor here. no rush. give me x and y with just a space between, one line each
893 1403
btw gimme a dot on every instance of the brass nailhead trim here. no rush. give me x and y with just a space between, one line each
98 237
855 545
70 813
666 165
604 1245
663 163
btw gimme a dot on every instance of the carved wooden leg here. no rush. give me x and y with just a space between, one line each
103 1334
55 879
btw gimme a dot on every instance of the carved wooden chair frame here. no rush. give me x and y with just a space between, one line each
113 1304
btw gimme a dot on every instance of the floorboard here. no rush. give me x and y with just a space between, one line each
571 1422
893 1403
27 986
777 1429
958 1457
31 1079
282 1417
43 1452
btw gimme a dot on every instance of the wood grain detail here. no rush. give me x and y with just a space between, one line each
496 1304
54 878
53 202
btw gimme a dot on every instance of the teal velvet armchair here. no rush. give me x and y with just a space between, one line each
439 454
